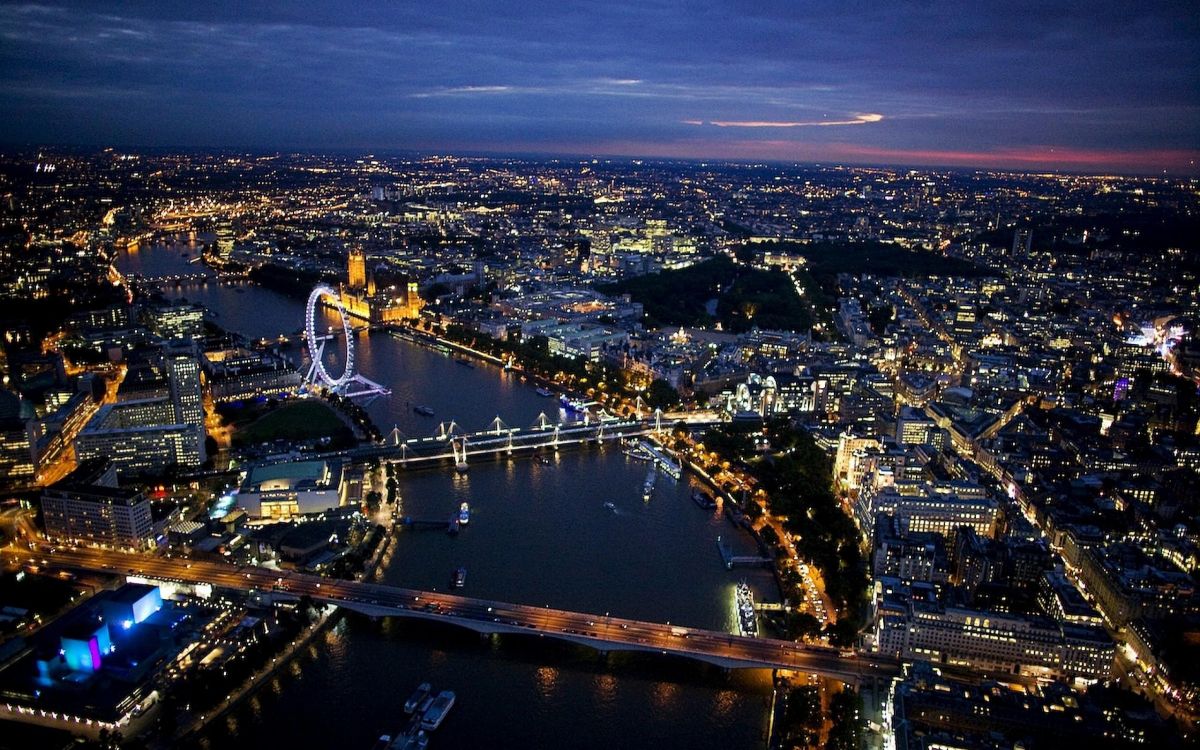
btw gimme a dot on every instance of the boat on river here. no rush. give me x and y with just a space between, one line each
436 714
418 697
746 616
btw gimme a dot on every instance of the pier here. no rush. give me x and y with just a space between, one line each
732 561
428 523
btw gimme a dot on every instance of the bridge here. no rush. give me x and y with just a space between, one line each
451 444
174 278
601 632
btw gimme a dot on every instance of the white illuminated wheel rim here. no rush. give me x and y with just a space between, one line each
315 344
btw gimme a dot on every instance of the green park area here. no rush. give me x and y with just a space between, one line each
744 297
299 420
740 297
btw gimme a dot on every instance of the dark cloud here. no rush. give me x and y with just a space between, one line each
902 77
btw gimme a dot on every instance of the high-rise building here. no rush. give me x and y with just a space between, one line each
19 433
1022 243
89 505
964 318
224 239
183 375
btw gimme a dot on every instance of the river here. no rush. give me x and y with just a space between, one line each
539 534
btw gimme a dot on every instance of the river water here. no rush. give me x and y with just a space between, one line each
539 534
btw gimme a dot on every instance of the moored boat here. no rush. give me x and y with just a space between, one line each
746 616
648 487
436 714
703 500
418 697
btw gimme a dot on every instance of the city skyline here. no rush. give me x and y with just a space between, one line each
710 374
876 441
1048 87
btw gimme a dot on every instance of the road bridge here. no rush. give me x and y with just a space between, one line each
484 616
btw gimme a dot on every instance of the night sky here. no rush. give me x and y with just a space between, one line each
1090 86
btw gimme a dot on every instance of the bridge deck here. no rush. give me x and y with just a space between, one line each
484 616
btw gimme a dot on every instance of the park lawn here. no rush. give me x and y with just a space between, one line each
300 420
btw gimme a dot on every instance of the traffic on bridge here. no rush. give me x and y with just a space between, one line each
602 632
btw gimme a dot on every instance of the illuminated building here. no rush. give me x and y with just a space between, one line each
183 376
357 270
224 240
940 508
141 437
97 666
132 604
995 642
913 427
239 374
18 456
177 321
152 431
84 646
89 505
767 396
927 709
363 299
285 490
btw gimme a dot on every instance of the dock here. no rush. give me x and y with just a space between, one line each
428 523
731 560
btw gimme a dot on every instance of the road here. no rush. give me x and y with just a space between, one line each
600 631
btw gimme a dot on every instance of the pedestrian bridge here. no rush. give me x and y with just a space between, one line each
451 444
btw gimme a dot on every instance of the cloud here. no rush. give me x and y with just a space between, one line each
460 90
856 120
577 76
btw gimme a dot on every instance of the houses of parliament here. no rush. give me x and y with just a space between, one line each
363 298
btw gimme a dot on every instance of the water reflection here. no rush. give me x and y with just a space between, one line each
606 688
547 681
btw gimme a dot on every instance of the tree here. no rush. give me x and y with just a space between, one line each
879 317
662 395
306 607
802 624
845 712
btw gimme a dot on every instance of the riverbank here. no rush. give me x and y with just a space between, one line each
324 620
527 518
416 336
